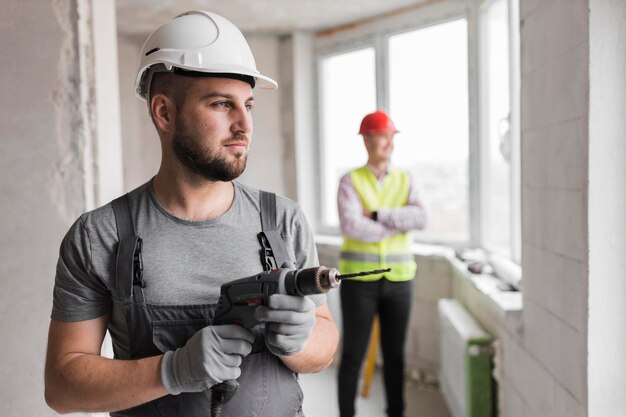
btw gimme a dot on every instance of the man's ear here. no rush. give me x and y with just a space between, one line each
162 111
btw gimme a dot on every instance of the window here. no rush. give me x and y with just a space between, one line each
348 92
459 125
499 137
428 101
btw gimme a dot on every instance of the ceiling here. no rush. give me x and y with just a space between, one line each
137 18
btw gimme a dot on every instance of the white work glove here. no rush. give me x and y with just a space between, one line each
210 356
290 320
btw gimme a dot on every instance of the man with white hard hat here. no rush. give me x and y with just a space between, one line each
149 265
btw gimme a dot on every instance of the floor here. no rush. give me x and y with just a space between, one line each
320 398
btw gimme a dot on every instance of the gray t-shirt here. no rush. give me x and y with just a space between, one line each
184 262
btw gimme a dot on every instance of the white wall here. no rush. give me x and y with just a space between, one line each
140 142
266 162
108 152
37 203
299 121
545 366
607 208
48 155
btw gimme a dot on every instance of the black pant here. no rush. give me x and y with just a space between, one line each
360 302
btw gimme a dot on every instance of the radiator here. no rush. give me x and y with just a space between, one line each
466 362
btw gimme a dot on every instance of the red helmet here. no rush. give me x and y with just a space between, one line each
376 122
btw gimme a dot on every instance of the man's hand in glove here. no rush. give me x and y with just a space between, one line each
290 321
211 356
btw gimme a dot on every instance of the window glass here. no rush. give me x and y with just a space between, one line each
496 137
348 92
428 101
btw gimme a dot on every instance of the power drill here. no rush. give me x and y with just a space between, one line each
239 298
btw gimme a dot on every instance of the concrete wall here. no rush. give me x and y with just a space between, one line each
48 152
108 150
545 366
268 154
432 282
36 206
140 142
607 206
299 126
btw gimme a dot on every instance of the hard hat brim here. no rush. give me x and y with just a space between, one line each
378 131
262 81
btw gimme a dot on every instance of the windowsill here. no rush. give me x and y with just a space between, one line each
505 301
506 304
330 240
420 249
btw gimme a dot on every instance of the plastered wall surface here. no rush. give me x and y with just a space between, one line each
267 153
42 187
50 153
140 143
36 205
607 205
545 364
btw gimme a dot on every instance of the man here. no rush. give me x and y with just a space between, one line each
377 206
189 230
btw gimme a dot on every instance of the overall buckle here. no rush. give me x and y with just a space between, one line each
267 255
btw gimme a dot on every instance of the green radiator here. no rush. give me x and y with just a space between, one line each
466 362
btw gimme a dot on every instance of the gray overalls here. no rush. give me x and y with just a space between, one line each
267 387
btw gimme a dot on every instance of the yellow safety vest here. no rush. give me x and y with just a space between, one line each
393 252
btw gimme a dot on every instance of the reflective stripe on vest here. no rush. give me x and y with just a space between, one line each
374 257
392 252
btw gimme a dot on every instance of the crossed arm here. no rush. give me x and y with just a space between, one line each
355 221
78 378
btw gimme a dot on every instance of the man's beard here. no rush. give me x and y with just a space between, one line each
199 160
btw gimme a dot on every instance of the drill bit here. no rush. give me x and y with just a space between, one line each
364 273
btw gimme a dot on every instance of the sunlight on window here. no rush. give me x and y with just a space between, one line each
495 127
348 93
428 96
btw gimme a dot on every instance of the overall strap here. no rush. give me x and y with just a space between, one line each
274 249
129 266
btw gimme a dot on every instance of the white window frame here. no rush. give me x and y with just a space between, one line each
322 227
514 103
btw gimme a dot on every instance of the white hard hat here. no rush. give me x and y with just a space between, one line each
197 41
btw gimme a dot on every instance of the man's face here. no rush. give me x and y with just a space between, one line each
213 128
379 145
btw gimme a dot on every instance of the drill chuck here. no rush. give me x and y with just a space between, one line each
319 280
309 281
